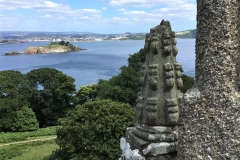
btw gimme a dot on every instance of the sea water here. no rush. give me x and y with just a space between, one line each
101 60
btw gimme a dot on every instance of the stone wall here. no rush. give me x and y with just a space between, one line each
209 126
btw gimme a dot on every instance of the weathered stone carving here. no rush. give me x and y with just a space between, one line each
155 134
209 126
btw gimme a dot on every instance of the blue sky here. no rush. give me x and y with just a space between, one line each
99 16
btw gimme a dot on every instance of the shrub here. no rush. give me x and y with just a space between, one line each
188 82
87 93
25 120
92 131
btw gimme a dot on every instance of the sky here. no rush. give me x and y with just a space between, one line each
98 16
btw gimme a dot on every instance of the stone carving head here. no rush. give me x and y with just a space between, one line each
160 79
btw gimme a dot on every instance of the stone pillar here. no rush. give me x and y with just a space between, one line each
209 126
155 134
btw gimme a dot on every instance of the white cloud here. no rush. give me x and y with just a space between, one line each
118 12
104 8
32 21
3 17
179 10
51 4
120 19
136 19
165 9
14 4
86 18
122 10
47 16
139 3
47 10
183 11
46 7
8 21
90 10
135 12
89 18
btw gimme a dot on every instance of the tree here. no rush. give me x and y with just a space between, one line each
137 59
53 43
87 93
67 43
188 82
13 115
61 43
125 86
52 96
122 88
24 120
21 84
8 102
92 131
73 48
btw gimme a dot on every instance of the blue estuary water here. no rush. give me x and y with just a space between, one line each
102 60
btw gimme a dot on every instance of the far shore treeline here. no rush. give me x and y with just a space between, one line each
92 118
11 38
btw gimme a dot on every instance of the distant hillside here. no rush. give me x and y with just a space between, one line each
186 34
10 37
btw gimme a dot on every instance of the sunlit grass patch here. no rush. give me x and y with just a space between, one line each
28 151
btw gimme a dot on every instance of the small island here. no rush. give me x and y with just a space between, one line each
53 47
12 53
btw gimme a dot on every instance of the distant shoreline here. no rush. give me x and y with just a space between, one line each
88 41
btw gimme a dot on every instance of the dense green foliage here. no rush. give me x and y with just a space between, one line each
92 131
71 47
20 84
52 95
8 102
62 43
24 120
19 136
45 94
87 93
15 92
188 82
125 86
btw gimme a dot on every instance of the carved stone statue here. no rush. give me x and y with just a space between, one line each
156 132
209 126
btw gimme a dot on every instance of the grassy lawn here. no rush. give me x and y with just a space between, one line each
28 151
20 136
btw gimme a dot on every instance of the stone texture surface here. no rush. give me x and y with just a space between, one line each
155 134
209 126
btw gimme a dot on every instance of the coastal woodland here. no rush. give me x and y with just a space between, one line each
88 122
